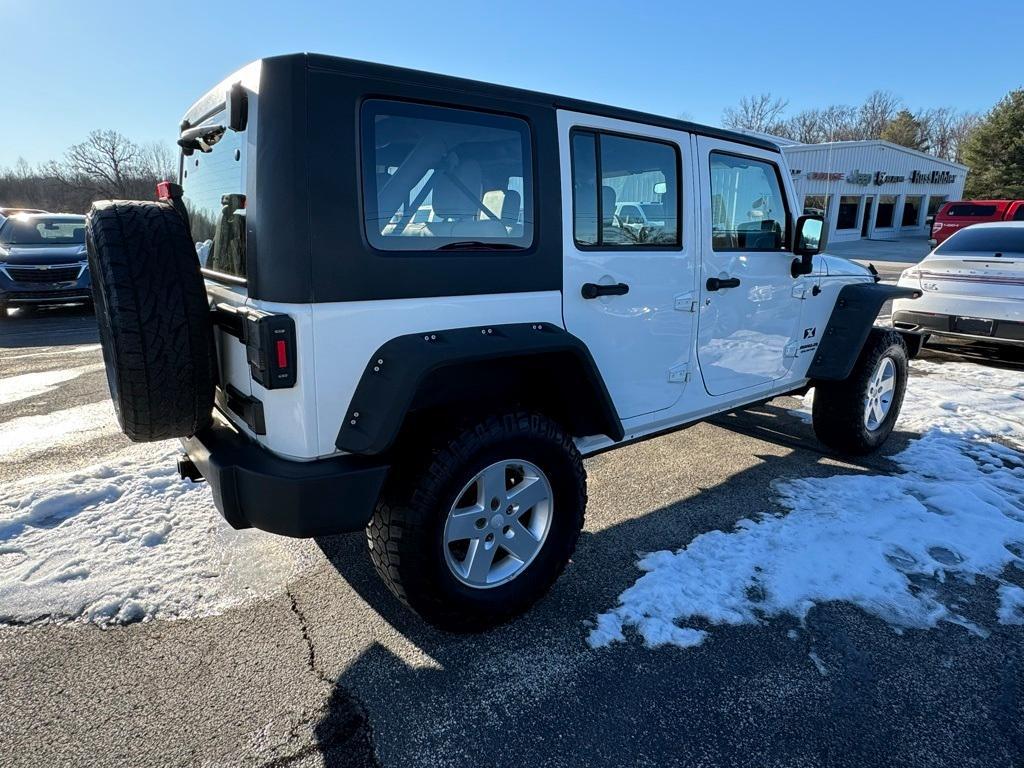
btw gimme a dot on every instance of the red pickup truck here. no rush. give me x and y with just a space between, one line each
962 213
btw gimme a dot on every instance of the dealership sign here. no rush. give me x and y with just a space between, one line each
879 177
933 177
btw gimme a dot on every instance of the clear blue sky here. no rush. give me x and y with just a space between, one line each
72 66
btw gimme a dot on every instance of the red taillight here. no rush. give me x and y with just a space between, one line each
163 190
282 353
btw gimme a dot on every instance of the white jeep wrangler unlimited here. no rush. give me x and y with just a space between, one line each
384 299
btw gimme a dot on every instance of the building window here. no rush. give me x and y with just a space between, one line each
817 204
436 178
848 207
636 203
748 210
886 209
911 211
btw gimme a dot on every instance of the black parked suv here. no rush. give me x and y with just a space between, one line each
43 261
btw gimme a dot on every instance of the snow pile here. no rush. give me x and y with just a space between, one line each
883 543
128 541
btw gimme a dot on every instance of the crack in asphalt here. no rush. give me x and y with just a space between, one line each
310 649
342 735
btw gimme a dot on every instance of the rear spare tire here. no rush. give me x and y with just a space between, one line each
153 317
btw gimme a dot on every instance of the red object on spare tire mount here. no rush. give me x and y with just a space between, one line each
154 319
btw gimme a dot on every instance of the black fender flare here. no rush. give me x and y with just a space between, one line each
852 319
396 374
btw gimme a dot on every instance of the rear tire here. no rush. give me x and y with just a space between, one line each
423 560
857 415
153 317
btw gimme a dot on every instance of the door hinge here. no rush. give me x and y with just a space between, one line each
679 373
799 291
791 349
686 302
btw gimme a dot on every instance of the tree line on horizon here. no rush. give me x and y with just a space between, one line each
991 145
108 165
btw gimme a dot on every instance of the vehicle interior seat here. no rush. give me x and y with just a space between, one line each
457 201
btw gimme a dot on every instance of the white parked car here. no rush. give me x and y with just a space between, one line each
350 358
972 286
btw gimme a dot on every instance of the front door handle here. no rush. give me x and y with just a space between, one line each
715 283
593 290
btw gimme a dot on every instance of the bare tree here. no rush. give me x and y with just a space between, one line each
160 160
106 162
877 111
755 113
839 123
961 130
805 127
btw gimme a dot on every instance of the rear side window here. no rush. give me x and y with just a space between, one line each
625 192
984 240
748 209
214 195
437 178
971 210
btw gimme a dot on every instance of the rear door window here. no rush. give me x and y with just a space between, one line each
438 178
971 210
607 171
214 195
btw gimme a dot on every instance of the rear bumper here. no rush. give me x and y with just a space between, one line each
1003 331
254 488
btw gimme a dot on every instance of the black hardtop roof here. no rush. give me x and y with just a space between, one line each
387 72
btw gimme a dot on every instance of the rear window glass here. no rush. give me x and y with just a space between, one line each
214 194
436 178
19 231
984 240
970 209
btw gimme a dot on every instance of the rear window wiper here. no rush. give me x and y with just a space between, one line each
202 137
477 245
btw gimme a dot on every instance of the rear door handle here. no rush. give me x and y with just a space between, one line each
593 290
715 283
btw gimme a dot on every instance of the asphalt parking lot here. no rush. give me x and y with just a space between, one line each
331 671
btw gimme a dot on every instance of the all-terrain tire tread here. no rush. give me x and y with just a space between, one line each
155 319
398 529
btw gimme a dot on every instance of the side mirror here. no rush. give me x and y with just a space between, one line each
810 229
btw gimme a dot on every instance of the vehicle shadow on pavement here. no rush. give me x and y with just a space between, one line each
48 327
533 692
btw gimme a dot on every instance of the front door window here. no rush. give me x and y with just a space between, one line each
748 314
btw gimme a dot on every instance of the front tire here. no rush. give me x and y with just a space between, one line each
482 531
857 415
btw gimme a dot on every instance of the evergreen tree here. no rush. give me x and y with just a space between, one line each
994 152
907 131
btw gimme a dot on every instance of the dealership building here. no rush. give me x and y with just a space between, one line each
871 189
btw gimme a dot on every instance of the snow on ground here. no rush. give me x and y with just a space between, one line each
882 542
126 541
29 435
15 388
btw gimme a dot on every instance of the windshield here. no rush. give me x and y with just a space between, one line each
984 240
25 231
